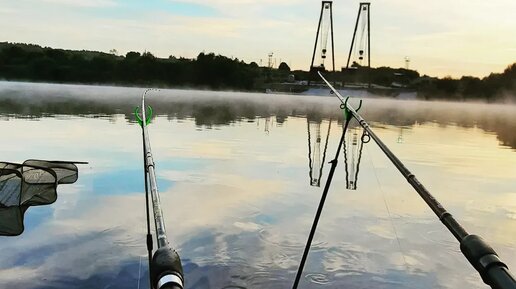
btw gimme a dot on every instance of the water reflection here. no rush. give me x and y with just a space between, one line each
24 100
353 145
235 197
316 161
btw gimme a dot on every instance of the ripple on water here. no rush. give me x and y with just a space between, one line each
347 273
128 240
121 237
318 278
261 277
291 241
345 259
284 261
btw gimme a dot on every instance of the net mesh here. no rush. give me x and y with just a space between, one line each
32 183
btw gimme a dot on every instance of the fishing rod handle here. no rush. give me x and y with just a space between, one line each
499 277
171 286
170 281
485 260
166 270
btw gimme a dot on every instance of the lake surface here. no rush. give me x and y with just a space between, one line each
238 175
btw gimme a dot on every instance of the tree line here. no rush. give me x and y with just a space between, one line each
494 87
35 63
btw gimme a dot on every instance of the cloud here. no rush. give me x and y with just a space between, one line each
6 11
83 3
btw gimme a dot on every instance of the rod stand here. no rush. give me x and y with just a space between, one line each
333 163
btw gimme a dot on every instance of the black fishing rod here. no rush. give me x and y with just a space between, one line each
166 271
483 258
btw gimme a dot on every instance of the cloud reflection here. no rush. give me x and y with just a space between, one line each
240 206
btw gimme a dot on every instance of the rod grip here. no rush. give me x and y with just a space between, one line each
171 286
166 269
485 260
501 278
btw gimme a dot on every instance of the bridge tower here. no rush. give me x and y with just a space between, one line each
324 30
360 49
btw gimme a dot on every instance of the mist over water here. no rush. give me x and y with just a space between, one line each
211 108
233 170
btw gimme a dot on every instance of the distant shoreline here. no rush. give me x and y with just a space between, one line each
33 63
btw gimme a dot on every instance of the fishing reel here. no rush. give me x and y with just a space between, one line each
166 271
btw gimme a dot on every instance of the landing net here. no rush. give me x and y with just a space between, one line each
32 183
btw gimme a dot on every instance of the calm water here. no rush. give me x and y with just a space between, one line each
234 175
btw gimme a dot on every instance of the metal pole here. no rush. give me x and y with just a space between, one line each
368 35
332 43
317 35
354 34
369 44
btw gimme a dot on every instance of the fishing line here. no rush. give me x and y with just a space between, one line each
139 272
142 230
387 208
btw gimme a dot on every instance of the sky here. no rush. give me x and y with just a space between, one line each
440 37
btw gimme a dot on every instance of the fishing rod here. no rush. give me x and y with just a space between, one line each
481 256
166 271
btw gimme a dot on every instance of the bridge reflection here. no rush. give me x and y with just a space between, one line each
315 159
